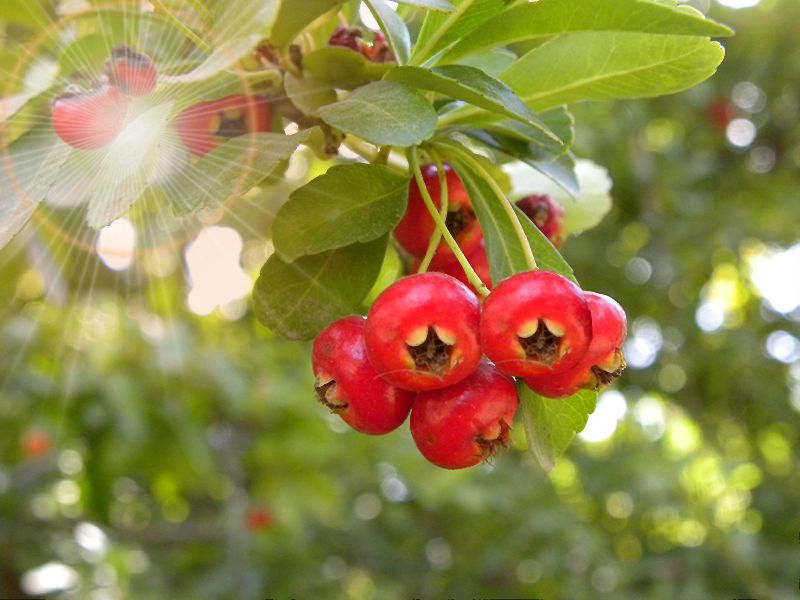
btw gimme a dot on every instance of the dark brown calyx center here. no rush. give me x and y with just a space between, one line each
602 377
541 215
458 220
324 392
489 447
127 54
431 355
542 346
232 126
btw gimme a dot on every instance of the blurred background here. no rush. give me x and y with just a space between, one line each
157 442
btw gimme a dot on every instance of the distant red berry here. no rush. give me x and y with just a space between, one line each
346 37
133 73
461 425
417 226
379 51
721 112
546 214
603 361
422 332
349 386
88 120
477 258
259 519
36 444
535 323
204 126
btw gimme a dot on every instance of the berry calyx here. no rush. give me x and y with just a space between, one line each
349 386
461 425
422 332
546 214
133 73
417 226
379 50
535 323
204 126
603 361
88 120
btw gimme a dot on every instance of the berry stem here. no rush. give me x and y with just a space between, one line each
437 235
507 205
376 155
472 276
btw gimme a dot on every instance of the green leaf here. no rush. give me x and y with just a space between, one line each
307 93
291 20
394 27
561 172
28 169
297 300
343 68
232 168
126 164
554 17
551 424
503 249
440 30
386 113
492 62
441 5
348 204
471 85
598 66
26 13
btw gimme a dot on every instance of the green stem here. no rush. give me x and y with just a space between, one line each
180 25
376 156
508 207
472 276
437 235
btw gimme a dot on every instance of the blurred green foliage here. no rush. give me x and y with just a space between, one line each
166 429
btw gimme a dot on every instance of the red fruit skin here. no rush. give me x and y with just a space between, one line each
721 112
514 309
609 328
405 312
204 126
360 397
477 258
416 227
459 426
133 73
89 120
379 51
546 214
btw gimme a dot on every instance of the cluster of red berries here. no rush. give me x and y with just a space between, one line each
90 119
416 227
351 37
428 346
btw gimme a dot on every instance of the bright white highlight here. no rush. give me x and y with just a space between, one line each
783 347
50 578
774 274
116 243
611 408
642 348
215 270
91 538
738 3
741 132
368 20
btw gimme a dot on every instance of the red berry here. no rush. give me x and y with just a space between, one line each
36 444
546 214
422 332
416 228
535 323
379 51
349 386
477 258
133 73
259 519
721 112
206 125
89 119
603 360
347 37
461 425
